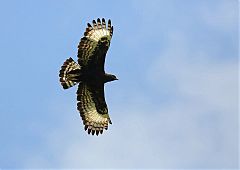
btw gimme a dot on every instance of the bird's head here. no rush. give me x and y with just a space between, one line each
110 77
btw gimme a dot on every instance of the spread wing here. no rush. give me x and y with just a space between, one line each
93 46
92 107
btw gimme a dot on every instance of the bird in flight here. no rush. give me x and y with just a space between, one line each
88 72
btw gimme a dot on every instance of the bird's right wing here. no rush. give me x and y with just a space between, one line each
93 108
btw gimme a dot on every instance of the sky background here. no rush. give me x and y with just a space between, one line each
175 105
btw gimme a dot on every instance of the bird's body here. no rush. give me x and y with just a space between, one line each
90 74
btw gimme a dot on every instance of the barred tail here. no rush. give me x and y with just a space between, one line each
69 73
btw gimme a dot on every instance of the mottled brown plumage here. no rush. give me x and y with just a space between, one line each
90 74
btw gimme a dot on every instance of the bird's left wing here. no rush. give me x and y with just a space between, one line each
91 52
93 108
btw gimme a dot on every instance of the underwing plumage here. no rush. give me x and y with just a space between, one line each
88 72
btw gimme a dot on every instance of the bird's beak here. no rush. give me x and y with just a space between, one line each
116 78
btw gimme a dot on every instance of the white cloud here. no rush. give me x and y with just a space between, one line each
204 92
222 16
197 75
186 64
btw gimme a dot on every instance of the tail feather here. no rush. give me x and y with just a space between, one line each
69 73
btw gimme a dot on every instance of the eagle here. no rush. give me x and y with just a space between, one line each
88 72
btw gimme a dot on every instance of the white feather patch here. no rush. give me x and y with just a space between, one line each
97 34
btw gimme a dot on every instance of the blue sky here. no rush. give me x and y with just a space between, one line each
175 105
